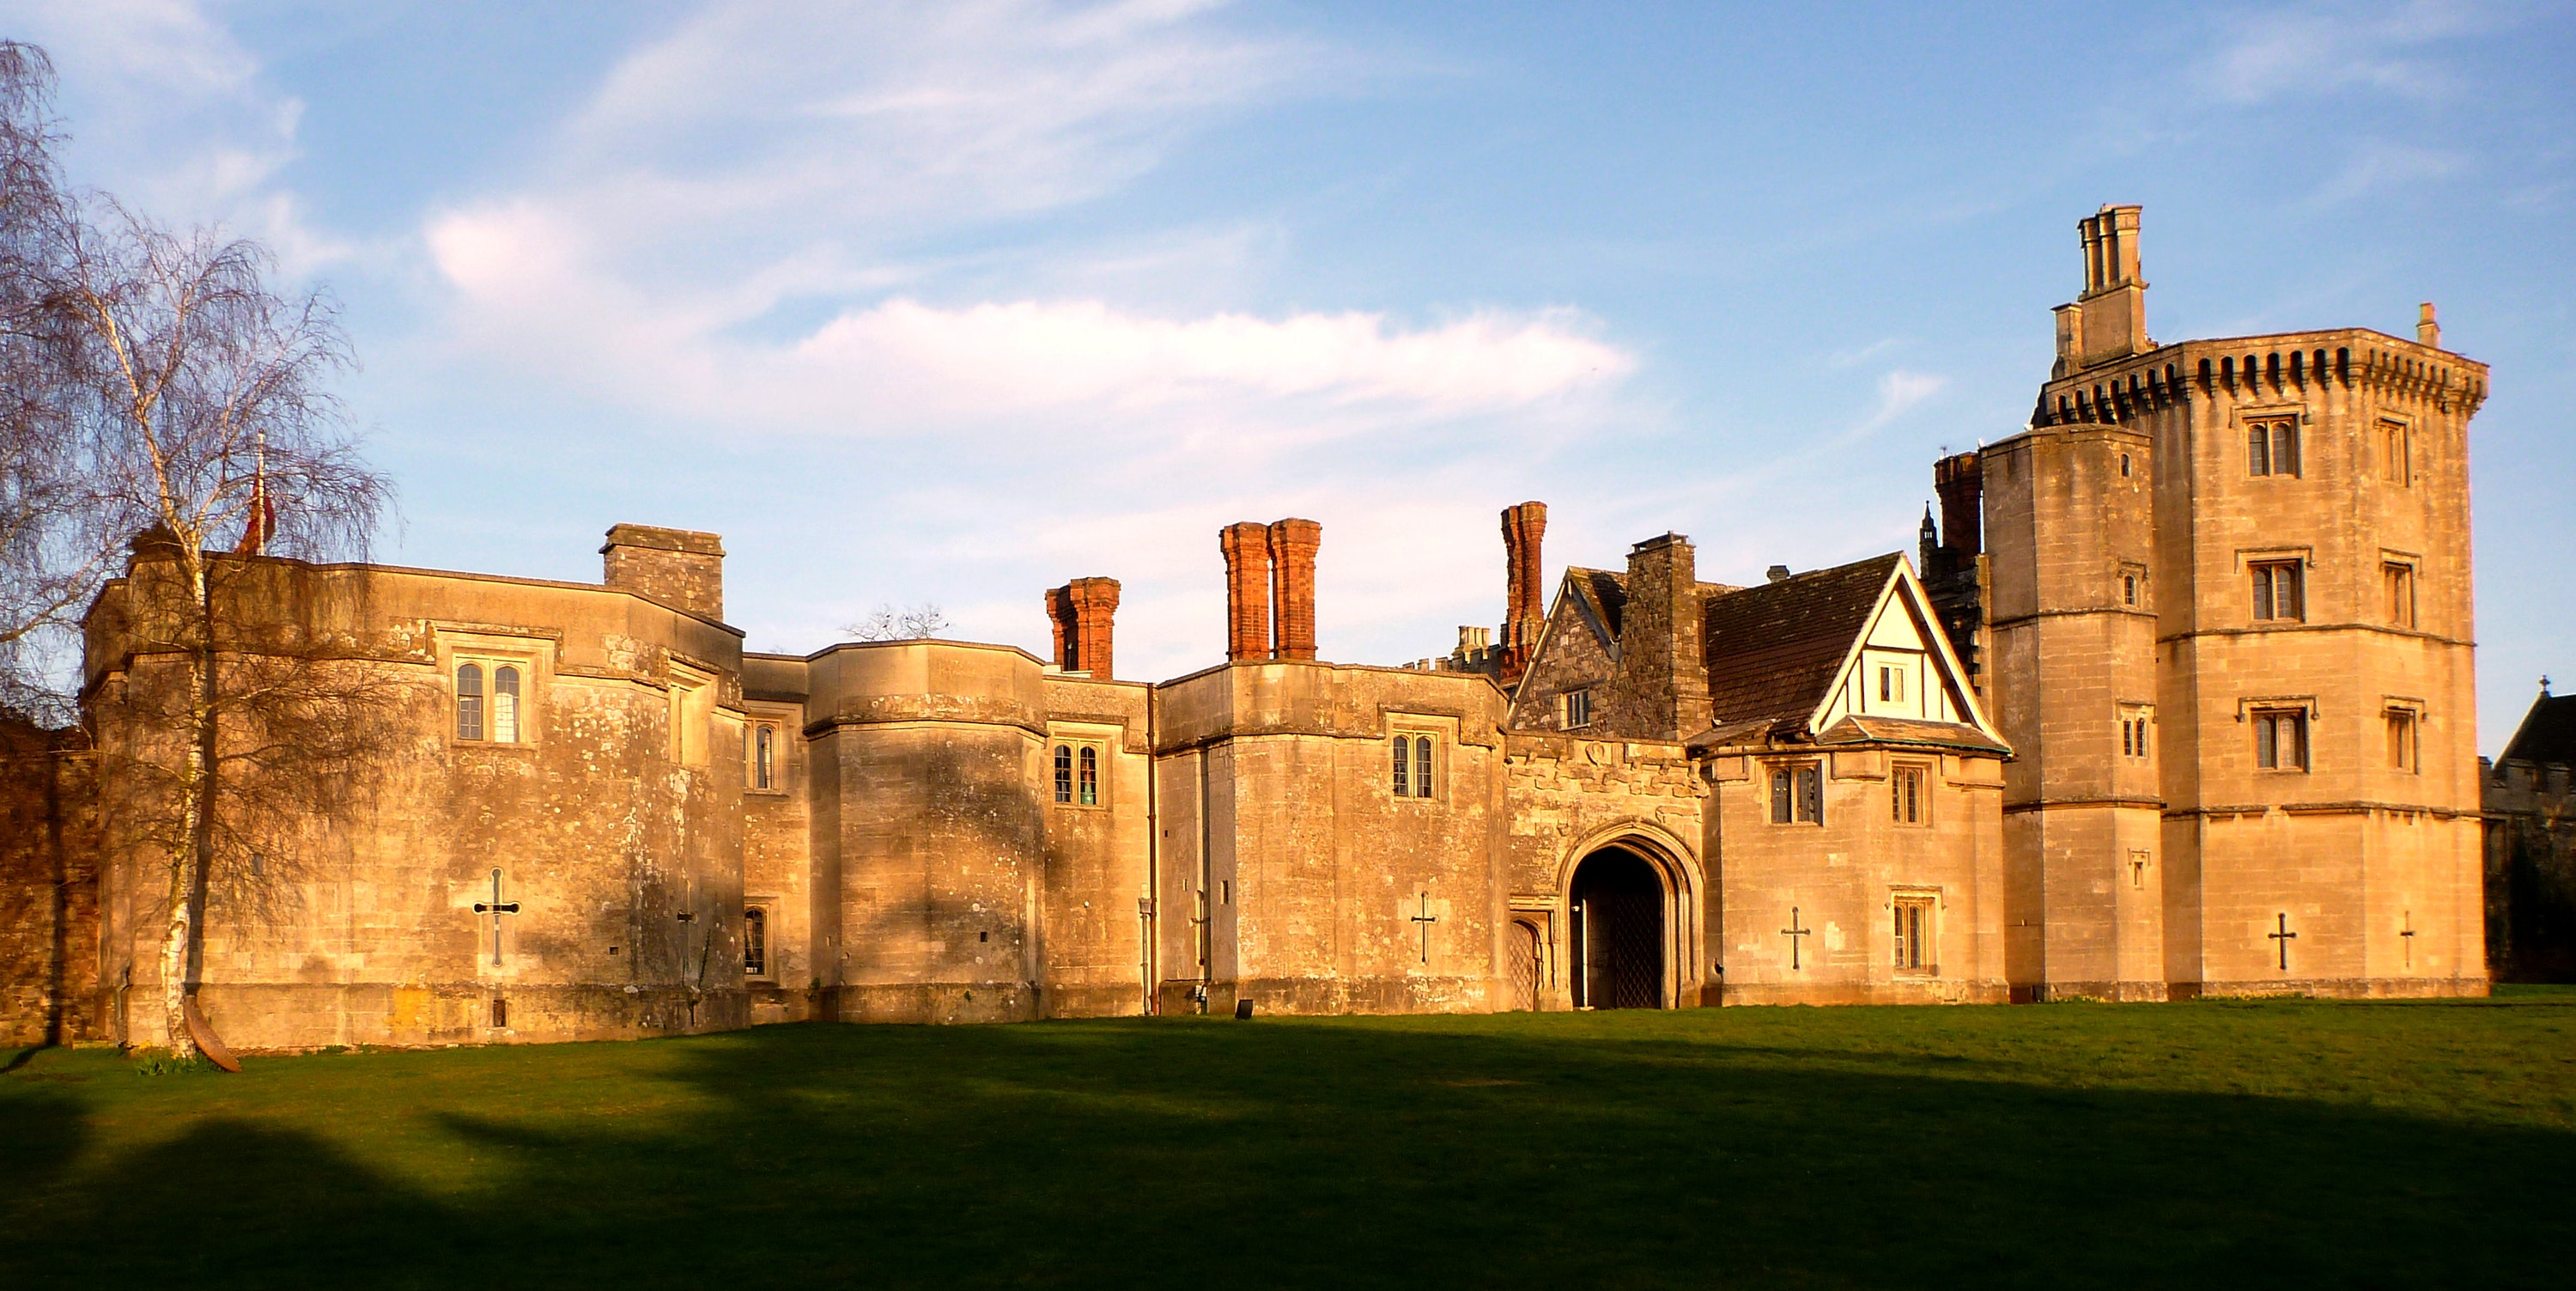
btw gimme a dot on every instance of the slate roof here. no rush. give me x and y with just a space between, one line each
1773 650
2547 733
1858 729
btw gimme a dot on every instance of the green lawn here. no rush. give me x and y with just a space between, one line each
2280 1144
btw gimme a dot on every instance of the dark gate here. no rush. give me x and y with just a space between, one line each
1618 932
1524 961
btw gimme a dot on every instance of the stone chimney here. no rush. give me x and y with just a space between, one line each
1247 590
1960 479
680 568
1663 668
1292 571
1524 586
2428 330
2109 321
1081 611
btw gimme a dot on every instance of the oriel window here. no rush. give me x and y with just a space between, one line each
2276 591
2281 739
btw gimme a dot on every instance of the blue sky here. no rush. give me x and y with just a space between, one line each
954 302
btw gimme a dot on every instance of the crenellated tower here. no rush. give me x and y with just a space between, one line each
2231 621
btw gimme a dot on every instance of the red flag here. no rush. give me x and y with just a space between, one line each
263 520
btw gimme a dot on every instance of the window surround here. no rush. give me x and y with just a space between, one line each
690 697
1797 792
531 658
1574 709
1413 759
776 725
2284 739
1909 790
1914 940
2400 584
2272 448
2396 452
760 939
1078 770
2402 723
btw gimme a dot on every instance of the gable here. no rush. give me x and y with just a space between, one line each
1899 665
1776 651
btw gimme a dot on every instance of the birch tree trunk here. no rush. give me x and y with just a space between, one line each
191 850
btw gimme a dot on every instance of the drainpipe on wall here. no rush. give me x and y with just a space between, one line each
1145 907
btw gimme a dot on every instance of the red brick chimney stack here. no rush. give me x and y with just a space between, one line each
1247 590
1082 611
1525 582
1292 563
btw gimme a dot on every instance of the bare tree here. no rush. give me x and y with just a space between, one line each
199 404
56 545
886 623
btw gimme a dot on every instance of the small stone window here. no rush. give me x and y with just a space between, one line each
2402 753
1909 798
1798 794
1891 684
1410 768
2397 591
755 941
2281 739
2276 591
491 718
763 764
2396 454
1077 766
1916 935
2272 447
1574 710
2133 738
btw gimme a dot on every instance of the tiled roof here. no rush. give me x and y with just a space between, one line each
1908 730
2547 733
1773 650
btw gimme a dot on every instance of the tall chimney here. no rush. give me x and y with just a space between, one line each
2111 320
1663 669
1292 564
681 568
1083 610
1961 481
1247 590
1524 582
2428 330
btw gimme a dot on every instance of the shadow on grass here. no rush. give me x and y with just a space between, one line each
1212 1154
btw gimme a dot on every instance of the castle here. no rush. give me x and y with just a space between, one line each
2175 698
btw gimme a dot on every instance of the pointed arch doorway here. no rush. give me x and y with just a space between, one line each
1617 932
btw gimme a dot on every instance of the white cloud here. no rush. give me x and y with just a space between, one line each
169 111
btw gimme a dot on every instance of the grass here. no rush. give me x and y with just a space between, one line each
2288 1143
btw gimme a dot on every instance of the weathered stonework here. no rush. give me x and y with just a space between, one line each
2029 775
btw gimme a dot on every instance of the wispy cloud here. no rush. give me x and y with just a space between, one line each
179 118
2318 49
